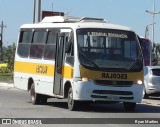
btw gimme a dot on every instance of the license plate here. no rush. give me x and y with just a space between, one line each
113 98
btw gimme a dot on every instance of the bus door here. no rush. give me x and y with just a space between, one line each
59 62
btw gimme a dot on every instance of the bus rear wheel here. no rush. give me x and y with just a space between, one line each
129 106
72 104
34 97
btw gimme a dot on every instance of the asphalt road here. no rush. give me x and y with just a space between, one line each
15 103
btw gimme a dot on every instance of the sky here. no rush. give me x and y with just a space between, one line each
130 13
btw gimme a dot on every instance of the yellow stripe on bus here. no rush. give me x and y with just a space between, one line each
41 69
117 76
67 72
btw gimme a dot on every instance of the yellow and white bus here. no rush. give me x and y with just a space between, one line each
82 59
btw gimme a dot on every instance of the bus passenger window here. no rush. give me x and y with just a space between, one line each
69 45
24 43
37 47
50 47
36 51
25 37
69 50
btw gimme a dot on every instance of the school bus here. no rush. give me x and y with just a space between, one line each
81 59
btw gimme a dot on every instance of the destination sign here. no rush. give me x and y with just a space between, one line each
105 34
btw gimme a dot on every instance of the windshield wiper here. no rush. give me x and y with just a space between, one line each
86 57
134 62
117 69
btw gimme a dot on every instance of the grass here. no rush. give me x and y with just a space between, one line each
6 77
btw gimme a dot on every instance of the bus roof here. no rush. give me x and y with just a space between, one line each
74 22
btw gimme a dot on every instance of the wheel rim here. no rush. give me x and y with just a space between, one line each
32 98
70 99
32 95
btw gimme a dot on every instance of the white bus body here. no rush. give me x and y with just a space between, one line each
68 58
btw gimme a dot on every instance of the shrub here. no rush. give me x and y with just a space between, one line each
5 70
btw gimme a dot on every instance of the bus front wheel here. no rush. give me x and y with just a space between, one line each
34 97
129 106
72 104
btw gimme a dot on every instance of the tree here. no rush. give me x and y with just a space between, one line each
8 55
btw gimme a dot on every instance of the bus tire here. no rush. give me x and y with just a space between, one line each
34 97
72 104
129 106
43 99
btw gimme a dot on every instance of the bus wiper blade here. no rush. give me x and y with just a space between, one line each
134 62
86 57
117 69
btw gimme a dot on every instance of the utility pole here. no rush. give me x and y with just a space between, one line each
1 40
153 20
36 11
153 26
39 10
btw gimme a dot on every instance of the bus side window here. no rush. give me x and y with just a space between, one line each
69 49
37 47
50 48
24 43
68 46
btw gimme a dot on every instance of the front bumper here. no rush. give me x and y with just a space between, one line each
88 91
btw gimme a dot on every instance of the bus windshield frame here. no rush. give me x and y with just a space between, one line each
109 49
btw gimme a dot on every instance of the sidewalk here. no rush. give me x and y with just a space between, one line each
8 85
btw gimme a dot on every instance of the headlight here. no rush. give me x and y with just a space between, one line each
85 79
139 82
81 79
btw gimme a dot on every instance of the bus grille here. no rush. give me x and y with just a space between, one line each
114 83
112 92
103 94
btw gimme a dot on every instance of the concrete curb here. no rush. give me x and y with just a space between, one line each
3 84
149 102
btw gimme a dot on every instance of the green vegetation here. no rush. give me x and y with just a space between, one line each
6 77
6 72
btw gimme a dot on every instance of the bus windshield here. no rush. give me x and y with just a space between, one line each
109 49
